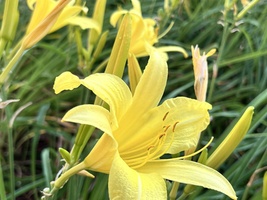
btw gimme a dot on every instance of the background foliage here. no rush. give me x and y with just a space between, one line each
241 80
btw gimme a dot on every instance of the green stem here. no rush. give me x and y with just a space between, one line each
173 192
33 159
78 40
11 161
2 184
263 158
10 153
221 49
83 135
59 183
3 43
183 196
101 66
10 65
246 9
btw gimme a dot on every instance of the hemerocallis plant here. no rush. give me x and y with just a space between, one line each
138 132
144 32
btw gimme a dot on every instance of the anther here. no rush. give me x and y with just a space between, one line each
165 116
151 147
173 128
166 128
162 135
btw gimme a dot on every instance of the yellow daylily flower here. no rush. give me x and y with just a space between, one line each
138 131
69 15
144 32
50 15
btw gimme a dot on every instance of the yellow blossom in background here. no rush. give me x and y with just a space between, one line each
138 131
43 19
68 16
144 32
50 15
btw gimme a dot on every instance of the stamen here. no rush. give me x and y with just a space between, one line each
197 152
162 135
150 147
152 152
173 128
165 116
166 128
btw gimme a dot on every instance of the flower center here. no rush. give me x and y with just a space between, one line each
153 149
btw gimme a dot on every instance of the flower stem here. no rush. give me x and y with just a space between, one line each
246 9
60 182
81 140
9 131
3 43
10 65
64 177
173 192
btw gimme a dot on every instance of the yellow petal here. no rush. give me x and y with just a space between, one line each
126 183
101 157
93 115
144 31
43 19
66 81
49 16
138 31
112 90
98 16
178 120
150 87
68 14
187 118
137 6
30 3
147 95
190 172
173 49
84 23
119 53
41 10
116 16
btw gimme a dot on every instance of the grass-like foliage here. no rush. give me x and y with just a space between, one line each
31 130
